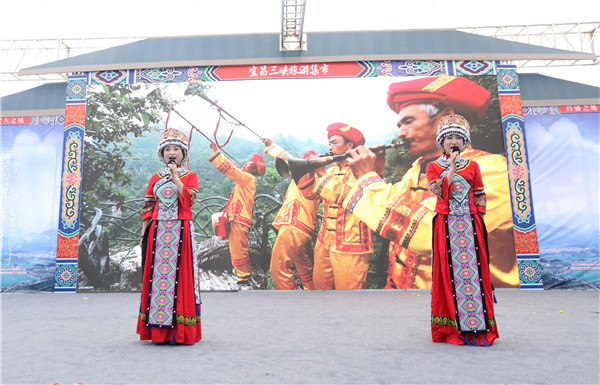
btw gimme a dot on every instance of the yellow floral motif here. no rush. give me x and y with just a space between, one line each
447 321
188 321
181 319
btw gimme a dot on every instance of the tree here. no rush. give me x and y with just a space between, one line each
197 89
112 115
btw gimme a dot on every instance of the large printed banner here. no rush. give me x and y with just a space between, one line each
563 146
119 115
31 158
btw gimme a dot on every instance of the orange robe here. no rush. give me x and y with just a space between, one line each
295 222
344 243
239 213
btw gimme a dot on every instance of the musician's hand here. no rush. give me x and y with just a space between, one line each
268 142
319 171
380 163
361 161
214 147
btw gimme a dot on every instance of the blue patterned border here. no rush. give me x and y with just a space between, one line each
44 120
65 276
530 274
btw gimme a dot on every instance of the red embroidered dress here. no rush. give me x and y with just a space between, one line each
170 302
462 308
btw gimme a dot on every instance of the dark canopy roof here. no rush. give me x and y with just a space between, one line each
250 49
540 90
47 99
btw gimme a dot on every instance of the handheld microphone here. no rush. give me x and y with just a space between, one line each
171 161
457 158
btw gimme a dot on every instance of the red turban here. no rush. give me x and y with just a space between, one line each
349 133
308 153
464 96
260 164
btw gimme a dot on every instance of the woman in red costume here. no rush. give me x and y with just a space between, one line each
462 306
170 304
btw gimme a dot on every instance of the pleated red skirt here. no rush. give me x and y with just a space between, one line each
445 327
186 327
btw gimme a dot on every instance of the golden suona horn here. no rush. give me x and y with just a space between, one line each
300 167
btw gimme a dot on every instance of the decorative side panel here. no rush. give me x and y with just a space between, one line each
525 234
70 195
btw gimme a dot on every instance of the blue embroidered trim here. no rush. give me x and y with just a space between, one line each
359 192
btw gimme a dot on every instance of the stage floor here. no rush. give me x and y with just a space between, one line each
286 337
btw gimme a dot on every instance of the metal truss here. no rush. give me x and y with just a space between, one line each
292 23
580 37
22 53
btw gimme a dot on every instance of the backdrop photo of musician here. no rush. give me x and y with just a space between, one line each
271 209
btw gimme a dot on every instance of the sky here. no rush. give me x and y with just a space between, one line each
68 18
31 19
30 159
573 202
315 103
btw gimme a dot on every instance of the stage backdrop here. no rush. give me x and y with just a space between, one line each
562 143
119 116
31 173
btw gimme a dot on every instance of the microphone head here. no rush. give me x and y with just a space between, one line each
455 149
